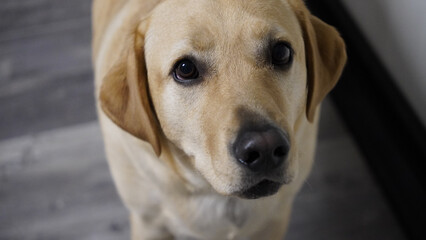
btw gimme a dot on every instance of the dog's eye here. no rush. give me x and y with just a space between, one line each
281 54
185 71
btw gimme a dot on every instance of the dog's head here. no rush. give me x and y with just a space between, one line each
228 83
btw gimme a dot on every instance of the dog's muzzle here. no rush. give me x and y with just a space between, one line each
262 151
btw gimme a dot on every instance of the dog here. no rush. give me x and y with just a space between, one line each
209 110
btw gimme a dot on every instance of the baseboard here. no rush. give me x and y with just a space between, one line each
383 124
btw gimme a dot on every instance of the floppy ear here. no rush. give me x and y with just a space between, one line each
124 95
325 58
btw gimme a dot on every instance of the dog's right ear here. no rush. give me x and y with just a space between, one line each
125 98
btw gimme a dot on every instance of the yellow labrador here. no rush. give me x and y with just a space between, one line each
209 110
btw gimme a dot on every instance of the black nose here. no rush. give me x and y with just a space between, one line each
261 150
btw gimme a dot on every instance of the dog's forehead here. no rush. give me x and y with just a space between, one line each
204 24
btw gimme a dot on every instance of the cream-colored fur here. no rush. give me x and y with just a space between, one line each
167 144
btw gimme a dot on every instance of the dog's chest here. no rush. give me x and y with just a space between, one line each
210 217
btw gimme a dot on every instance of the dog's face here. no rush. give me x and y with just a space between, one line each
228 85
218 71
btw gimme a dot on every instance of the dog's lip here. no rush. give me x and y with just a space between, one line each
263 188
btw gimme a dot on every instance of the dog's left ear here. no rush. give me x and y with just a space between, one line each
325 58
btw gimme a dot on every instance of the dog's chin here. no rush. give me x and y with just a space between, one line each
262 189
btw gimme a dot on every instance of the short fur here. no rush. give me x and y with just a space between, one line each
168 144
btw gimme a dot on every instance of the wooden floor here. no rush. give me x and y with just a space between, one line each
45 66
54 180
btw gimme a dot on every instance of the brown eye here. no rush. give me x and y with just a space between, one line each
281 54
185 71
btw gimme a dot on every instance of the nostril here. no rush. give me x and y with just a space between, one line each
252 156
280 151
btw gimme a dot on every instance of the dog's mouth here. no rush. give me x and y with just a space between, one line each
262 189
260 186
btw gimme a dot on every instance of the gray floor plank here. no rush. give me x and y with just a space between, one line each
341 200
26 18
46 78
56 185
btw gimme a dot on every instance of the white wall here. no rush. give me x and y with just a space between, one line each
397 31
